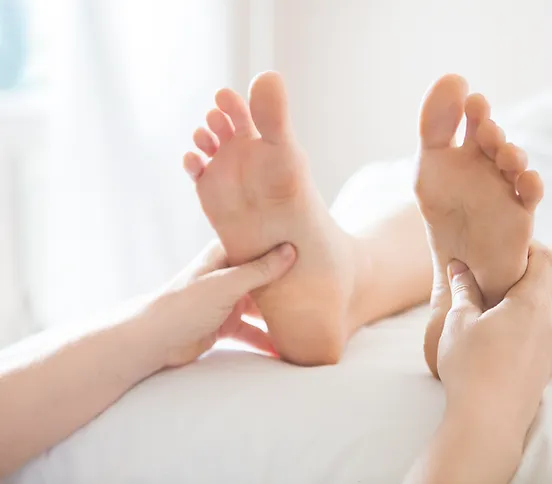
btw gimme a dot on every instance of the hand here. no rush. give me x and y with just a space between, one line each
499 362
206 301
494 366
82 373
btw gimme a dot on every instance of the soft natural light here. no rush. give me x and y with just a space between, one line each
112 92
167 165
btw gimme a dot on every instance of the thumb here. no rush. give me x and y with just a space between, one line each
467 301
257 273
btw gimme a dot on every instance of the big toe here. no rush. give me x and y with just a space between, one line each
269 107
442 111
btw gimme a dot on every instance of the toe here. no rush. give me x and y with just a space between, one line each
269 107
220 124
234 106
530 188
490 138
206 141
512 159
194 165
442 111
477 110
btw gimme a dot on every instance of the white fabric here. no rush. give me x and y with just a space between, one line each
242 418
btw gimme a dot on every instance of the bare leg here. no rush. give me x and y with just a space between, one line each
395 265
378 208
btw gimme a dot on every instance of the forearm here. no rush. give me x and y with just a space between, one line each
46 400
470 448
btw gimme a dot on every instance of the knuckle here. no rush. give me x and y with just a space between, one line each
263 267
460 289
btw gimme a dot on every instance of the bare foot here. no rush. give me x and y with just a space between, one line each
257 192
477 200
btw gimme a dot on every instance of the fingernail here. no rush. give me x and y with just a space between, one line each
286 251
456 268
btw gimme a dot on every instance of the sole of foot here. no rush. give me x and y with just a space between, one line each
257 192
477 199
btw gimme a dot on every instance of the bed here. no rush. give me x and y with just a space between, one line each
244 418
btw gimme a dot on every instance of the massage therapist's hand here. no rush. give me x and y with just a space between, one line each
494 366
501 358
206 301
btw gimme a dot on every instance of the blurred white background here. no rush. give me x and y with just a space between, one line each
94 206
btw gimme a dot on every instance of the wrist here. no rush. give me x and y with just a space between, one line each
488 435
491 408
471 445
144 345
164 334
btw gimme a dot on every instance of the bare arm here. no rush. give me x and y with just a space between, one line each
44 400
494 366
472 446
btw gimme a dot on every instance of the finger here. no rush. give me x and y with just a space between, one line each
211 258
467 301
258 273
536 284
254 337
251 309
232 321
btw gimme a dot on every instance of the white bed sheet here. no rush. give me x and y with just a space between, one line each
243 418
